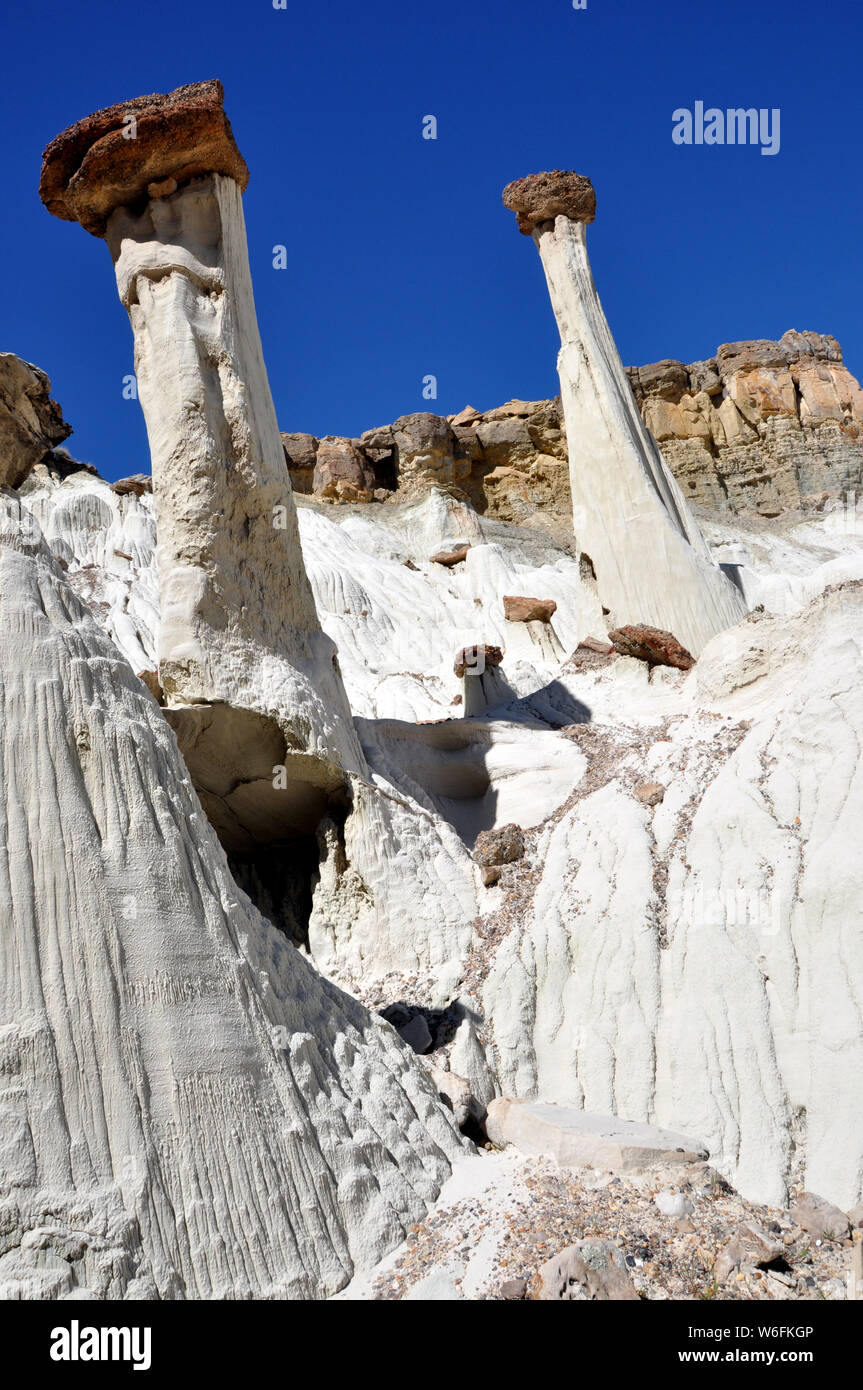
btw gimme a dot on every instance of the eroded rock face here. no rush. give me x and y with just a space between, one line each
31 423
657 951
820 1218
246 1137
239 630
739 437
342 472
450 558
109 160
760 427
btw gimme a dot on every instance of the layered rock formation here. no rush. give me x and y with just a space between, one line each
740 436
762 426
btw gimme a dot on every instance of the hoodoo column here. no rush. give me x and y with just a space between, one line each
651 561
250 678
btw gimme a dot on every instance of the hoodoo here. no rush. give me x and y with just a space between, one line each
251 681
651 561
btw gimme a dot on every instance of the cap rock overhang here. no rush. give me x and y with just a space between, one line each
110 158
540 198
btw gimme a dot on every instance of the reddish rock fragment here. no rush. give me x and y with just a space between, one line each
651 644
518 609
450 557
137 484
474 660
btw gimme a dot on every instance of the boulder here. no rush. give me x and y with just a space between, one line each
426 447
416 1034
465 417
749 1246
673 1204
411 1025
590 1270
448 558
513 1289
597 645
505 441
808 344
652 645
501 846
703 376
650 793
517 609
667 380
579 1140
819 1217
301 449
454 1090
744 356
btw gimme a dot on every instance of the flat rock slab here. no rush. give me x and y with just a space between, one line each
579 1140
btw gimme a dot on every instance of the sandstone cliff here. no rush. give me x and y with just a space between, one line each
762 428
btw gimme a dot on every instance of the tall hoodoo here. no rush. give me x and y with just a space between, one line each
651 561
251 679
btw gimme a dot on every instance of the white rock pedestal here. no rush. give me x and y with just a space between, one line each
651 562
251 681
250 678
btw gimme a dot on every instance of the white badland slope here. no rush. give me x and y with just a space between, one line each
700 963
188 1108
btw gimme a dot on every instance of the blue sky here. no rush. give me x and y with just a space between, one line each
402 261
